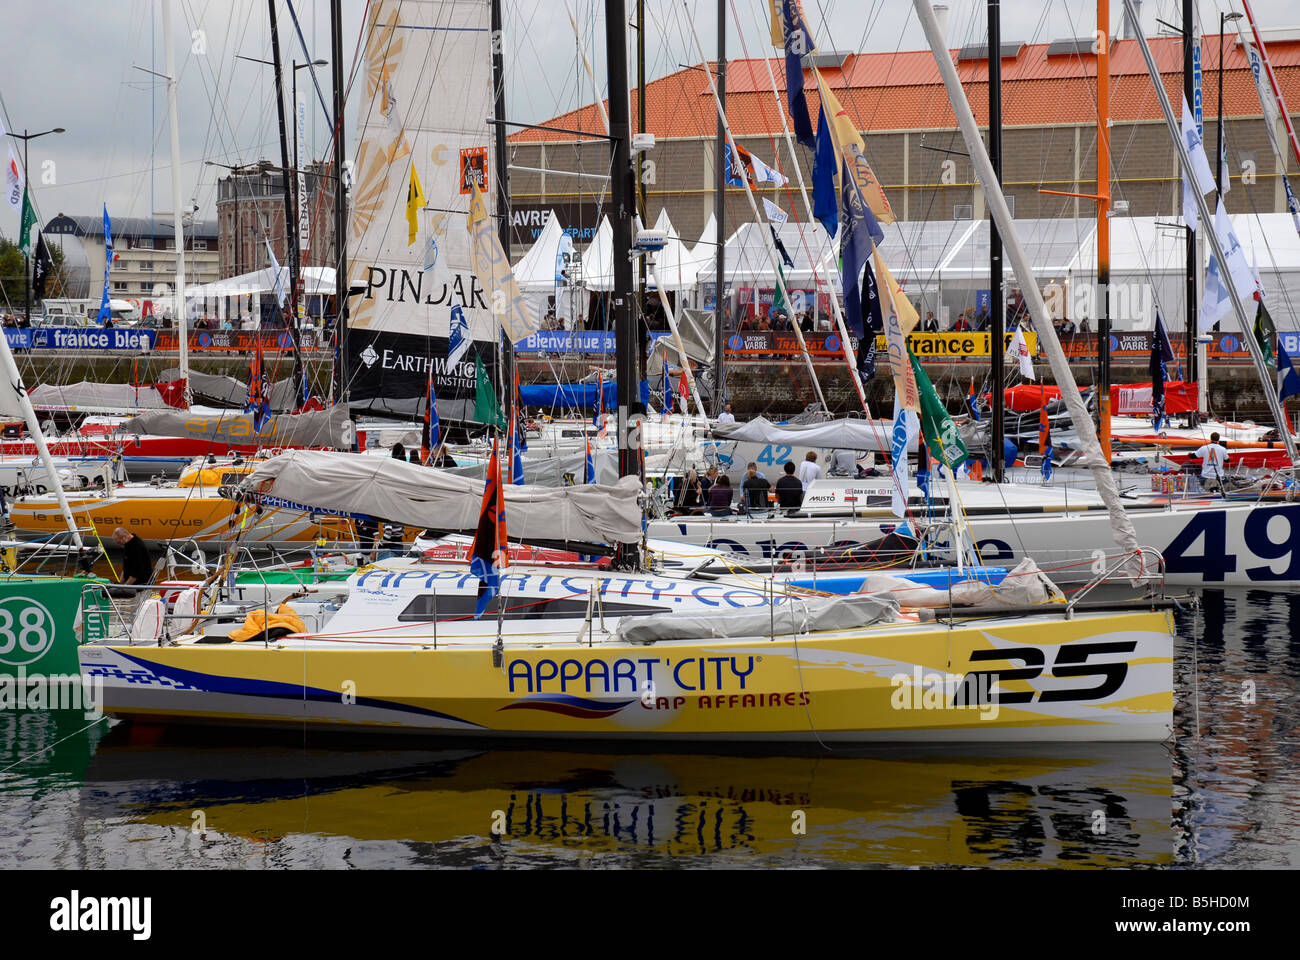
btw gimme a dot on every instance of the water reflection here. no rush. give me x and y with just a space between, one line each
1224 794
914 807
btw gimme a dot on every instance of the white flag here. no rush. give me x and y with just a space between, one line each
1233 253
1267 103
1196 150
1224 174
459 340
774 213
275 265
1216 303
906 426
13 176
1191 213
1020 350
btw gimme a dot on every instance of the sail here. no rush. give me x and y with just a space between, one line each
427 90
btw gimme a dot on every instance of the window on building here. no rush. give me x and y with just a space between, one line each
170 245
200 244
146 264
120 287
145 243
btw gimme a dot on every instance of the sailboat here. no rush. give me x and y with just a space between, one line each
618 652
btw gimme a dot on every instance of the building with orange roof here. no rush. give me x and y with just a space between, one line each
899 103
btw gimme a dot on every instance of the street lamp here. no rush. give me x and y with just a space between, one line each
26 137
1224 19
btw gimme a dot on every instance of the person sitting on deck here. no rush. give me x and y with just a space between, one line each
720 497
755 489
789 489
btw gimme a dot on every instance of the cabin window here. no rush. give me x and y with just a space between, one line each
459 606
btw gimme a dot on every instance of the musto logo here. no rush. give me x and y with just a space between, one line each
26 631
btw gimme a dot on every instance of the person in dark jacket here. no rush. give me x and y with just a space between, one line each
789 489
690 493
720 496
137 565
755 488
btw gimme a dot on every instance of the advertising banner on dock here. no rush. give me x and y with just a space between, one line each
38 632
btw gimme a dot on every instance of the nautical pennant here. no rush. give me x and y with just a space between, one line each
105 314
25 227
1162 352
488 553
1288 384
432 425
414 202
940 431
798 43
258 403
1020 350
13 174
740 160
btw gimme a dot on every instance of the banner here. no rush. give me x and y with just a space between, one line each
926 346
92 338
402 361
574 341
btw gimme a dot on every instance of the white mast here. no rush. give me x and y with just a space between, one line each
15 380
182 324
1120 522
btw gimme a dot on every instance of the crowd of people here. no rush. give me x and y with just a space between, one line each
714 494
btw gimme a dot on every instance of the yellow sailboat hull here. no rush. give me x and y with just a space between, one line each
1008 679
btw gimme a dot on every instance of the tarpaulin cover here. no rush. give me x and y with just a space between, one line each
581 396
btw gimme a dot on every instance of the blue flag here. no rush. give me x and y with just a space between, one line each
1162 352
589 474
973 402
105 314
516 460
668 389
1288 384
798 41
867 356
826 207
780 247
923 466
432 426
861 234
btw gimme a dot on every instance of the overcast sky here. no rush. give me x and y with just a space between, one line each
69 63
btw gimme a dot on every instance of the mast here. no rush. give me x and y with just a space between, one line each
502 190
340 211
182 320
1121 525
642 299
1212 236
1189 91
1103 227
997 313
623 201
720 214
290 212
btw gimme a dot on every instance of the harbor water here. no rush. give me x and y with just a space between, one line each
86 793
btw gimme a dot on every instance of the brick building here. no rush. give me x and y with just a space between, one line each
898 101
250 210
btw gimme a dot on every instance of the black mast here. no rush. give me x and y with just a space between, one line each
997 315
502 191
290 212
623 200
340 212
1189 90
720 213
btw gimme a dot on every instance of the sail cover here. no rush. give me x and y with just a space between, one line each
427 91
842 434
316 428
422 496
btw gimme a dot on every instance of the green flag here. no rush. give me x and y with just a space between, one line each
25 229
1265 334
778 302
940 432
485 398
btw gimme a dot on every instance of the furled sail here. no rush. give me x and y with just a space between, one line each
427 90
422 496
315 428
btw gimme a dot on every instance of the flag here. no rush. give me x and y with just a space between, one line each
275 268
13 175
1162 351
684 391
826 207
905 430
493 271
853 152
973 402
600 397
798 42
414 201
519 413
1225 175
1265 334
940 432
668 389
1233 252
1020 350
1216 303
923 466
432 425
458 340
780 248
1200 167
485 398
774 213
740 160
258 403
25 227
42 267
867 357
516 459
105 314
1288 384
861 234
432 252
908 318
589 470
488 553
1044 436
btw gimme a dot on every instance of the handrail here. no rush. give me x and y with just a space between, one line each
1115 570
